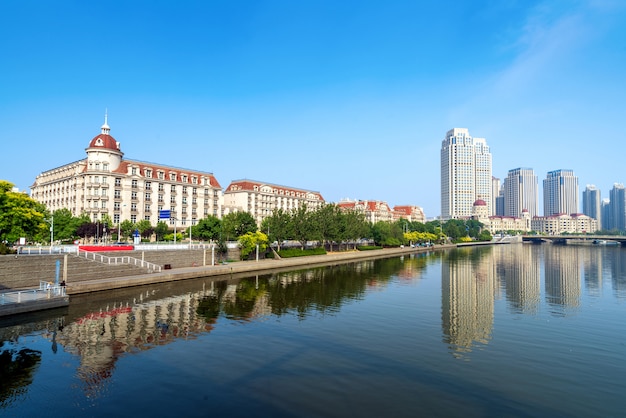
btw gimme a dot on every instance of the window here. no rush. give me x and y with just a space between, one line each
146 217
116 218
116 206
148 185
172 199
185 189
161 175
133 207
118 181
147 208
97 166
173 189
105 166
134 184
117 194
134 171
133 218
104 179
160 198
184 200
194 180
161 188
149 173
104 204
133 195
173 176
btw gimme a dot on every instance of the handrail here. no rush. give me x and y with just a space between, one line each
90 255
45 291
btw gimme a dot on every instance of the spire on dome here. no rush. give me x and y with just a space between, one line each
105 128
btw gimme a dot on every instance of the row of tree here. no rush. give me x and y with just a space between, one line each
21 216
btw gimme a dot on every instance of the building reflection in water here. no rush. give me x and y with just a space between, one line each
562 270
468 292
518 269
99 338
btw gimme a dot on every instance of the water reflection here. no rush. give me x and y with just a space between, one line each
476 283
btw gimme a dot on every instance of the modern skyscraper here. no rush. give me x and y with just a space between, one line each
560 193
465 173
520 192
617 208
496 185
592 203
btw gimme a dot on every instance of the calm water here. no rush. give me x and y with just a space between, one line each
511 330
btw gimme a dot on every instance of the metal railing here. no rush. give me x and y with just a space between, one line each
46 291
122 260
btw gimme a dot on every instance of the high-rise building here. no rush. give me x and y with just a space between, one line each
520 192
592 203
496 185
617 208
560 193
465 174
606 214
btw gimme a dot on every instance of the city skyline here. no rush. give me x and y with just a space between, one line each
351 100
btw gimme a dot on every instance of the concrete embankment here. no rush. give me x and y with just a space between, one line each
251 267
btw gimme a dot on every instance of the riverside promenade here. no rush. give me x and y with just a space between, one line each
240 268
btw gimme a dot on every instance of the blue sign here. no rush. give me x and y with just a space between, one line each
165 214
136 233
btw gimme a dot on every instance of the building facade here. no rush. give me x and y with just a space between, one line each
560 193
259 199
617 208
521 193
466 174
562 223
105 184
592 203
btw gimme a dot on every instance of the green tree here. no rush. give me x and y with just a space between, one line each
353 226
65 225
388 234
249 241
20 216
160 230
236 224
278 226
127 228
145 228
303 228
327 222
208 229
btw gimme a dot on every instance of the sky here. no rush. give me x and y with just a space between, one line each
348 98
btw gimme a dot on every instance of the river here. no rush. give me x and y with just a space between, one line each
507 330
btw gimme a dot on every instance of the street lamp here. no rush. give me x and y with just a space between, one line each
51 228
119 225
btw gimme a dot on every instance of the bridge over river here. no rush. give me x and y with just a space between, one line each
578 239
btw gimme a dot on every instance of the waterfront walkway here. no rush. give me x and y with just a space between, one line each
239 267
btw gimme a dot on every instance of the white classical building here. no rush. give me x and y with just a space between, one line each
106 184
260 199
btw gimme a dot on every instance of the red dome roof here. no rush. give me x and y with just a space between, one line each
480 202
105 141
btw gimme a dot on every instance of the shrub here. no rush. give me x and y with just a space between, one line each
296 252
368 247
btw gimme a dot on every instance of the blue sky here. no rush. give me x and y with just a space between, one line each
348 98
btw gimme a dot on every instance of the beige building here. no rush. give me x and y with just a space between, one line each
260 199
500 223
105 183
576 223
410 213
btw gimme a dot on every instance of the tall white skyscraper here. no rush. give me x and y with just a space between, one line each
521 192
560 193
592 203
465 174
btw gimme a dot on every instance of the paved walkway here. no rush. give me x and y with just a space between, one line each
251 267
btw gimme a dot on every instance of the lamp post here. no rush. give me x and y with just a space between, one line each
51 229
119 225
